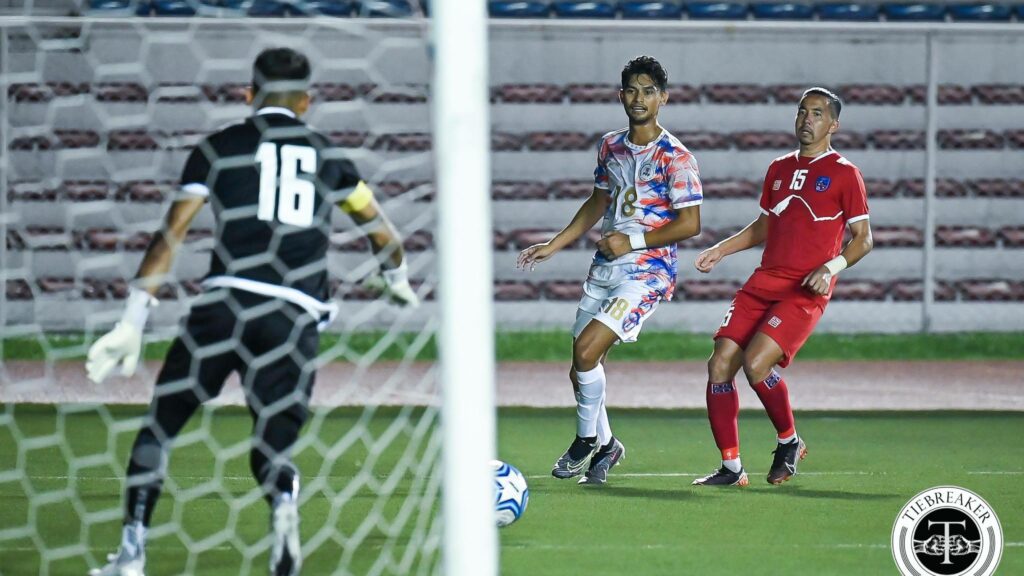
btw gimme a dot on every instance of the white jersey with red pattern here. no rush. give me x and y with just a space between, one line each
647 184
809 202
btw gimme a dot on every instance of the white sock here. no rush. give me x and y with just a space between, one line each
133 539
733 465
791 438
589 401
604 430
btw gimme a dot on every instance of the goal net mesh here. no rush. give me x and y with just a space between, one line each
99 118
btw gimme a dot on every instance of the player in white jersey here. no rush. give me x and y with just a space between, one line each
647 188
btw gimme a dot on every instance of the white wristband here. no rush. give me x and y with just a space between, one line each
136 309
637 241
836 265
396 276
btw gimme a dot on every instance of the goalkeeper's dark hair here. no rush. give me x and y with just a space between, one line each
645 65
282 72
835 104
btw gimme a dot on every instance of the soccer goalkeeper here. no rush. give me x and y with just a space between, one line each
272 183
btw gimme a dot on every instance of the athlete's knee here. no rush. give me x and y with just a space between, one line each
757 367
586 354
721 367
148 461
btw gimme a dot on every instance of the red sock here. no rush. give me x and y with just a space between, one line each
723 411
775 396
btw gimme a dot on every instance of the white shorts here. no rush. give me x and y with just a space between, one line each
623 308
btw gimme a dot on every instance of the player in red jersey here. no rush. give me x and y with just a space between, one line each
808 199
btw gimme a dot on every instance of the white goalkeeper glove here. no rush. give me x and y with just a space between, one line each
394 284
123 344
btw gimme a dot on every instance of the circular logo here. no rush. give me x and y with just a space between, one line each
646 171
947 531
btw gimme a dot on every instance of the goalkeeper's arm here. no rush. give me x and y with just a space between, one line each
385 241
123 344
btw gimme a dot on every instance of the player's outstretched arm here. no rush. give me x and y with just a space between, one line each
751 235
123 344
588 214
386 243
858 247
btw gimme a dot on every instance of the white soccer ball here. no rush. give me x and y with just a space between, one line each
511 494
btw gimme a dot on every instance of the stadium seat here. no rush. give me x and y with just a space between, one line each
30 143
683 94
108 240
914 11
563 290
555 141
521 239
222 8
130 140
348 139
390 188
119 92
174 7
707 289
385 9
350 242
118 8
507 142
787 93
77 138
881 188
697 141
324 92
872 94
992 290
1015 138
912 290
849 11
964 237
519 190
948 94
403 142
47 238
970 139
706 238
335 8
638 9
589 93
717 10
84 190
997 188
179 93
515 9
226 93
944 188
418 241
897 139
736 94
394 93
506 290
1012 237
731 189
984 11
774 140
584 9
999 93
782 11
145 191
845 140
18 290
530 93
859 290
571 189
897 236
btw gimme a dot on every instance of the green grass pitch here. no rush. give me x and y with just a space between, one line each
835 517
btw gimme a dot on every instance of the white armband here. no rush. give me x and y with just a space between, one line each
836 265
136 309
637 241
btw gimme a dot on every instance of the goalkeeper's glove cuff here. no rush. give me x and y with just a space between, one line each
136 310
396 276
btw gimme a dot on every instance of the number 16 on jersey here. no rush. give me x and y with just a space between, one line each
293 196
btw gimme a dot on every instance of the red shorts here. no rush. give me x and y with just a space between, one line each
780 308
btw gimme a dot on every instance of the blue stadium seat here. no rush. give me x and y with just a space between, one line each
272 9
851 11
385 9
782 11
915 12
174 7
640 9
976 12
119 7
337 8
514 9
584 9
717 10
1020 11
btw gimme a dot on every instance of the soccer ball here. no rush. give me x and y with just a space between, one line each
510 493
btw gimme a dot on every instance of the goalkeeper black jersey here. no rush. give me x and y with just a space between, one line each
272 183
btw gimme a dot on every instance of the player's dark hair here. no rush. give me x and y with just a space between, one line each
280 71
835 105
645 65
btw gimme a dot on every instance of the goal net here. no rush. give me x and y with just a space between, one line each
99 117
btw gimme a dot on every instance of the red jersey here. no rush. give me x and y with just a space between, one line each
809 202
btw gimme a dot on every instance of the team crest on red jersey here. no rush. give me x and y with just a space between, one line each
822 183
